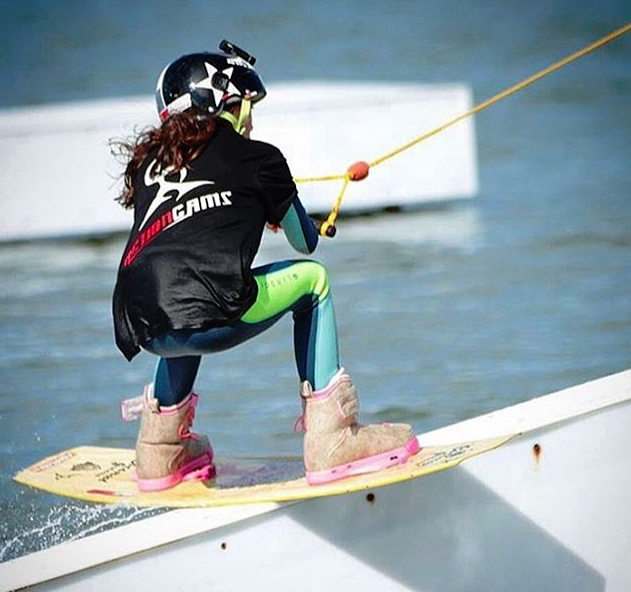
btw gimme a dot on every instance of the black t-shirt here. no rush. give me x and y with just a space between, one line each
187 263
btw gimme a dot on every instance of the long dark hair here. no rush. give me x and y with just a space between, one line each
179 141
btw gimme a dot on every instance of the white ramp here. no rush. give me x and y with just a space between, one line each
546 512
58 177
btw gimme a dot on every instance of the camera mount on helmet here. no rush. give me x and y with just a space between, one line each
231 49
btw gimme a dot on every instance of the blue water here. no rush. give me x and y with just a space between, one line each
443 314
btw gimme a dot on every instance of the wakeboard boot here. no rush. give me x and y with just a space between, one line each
167 452
336 446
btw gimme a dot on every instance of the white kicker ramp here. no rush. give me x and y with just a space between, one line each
58 177
547 512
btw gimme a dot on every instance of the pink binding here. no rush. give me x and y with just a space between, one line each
362 466
200 468
338 377
173 409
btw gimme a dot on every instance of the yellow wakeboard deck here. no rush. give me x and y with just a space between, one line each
102 475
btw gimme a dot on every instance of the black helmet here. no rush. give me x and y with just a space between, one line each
208 82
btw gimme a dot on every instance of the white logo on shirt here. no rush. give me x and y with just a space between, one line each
168 189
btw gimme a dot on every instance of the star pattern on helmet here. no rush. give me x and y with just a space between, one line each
207 82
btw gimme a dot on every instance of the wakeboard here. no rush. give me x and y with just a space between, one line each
102 475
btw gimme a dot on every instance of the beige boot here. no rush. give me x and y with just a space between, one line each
167 452
336 446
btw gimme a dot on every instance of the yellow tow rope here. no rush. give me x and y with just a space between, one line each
359 170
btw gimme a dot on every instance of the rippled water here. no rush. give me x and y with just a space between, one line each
443 314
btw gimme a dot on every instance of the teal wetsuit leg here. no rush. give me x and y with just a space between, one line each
302 287
298 286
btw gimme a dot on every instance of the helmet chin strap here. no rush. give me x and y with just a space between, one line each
238 123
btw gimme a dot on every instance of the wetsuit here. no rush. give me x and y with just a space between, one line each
185 284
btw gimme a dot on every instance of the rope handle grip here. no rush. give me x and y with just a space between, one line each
324 228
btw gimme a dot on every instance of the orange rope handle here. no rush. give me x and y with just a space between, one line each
328 226
358 171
